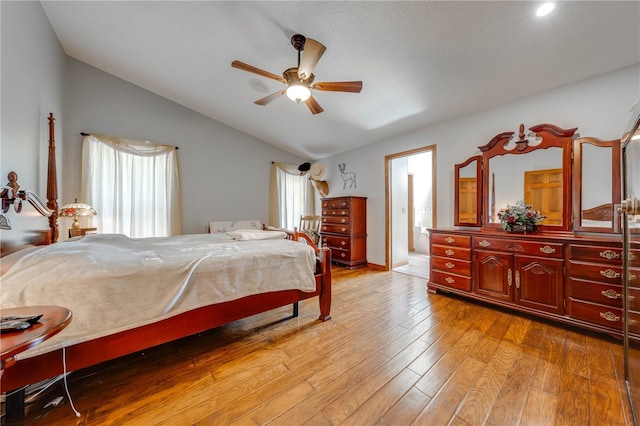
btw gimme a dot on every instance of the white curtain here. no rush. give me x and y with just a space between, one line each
292 196
133 185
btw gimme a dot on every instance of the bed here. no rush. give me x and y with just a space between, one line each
279 268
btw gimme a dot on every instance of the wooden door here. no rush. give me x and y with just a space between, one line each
543 191
538 283
494 275
467 199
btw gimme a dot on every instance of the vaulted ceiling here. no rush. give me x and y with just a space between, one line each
421 62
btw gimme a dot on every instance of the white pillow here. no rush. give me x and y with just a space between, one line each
226 226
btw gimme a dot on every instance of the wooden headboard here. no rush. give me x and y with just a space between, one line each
12 195
603 212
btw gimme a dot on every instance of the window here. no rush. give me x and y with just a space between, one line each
292 196
133 185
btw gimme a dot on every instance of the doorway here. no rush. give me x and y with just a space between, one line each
410 209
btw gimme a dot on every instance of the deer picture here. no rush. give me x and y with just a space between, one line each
349 177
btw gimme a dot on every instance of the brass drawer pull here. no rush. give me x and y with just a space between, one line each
484 243
343 229
609 254
343 220
450 240
610 273
449 265
343 255
343 204
611 294
324 219
344 213
509 279
609 316
450 252
547 250
450 280
344 243
517 279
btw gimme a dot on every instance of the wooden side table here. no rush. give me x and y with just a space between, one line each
54 319
81 231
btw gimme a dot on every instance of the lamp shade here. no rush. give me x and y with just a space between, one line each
76 209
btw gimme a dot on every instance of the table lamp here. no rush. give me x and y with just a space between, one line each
76 209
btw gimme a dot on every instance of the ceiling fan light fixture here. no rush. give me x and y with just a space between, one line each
298 92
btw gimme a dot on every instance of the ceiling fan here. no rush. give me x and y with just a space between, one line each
299 80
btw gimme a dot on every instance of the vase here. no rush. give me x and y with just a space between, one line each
521 227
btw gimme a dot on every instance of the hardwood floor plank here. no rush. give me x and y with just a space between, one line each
540 409
573 404
405 409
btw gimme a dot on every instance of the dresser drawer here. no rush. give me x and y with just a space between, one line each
453 252
335 229
336 203
448 265
450 280
341 212
607 316
340 254
343 243
531 248
605 273
612 255
605 294
451 240
340 220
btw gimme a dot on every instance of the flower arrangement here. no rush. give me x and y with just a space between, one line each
520 217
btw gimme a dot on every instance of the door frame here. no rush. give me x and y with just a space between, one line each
387 194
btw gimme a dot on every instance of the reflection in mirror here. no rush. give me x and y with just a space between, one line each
536 178
597 184
468 196
596 187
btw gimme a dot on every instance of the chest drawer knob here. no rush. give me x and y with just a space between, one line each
609 254
484 243
450 252
450 280
450 240
344 243
343 220
609 316
449 265
343 229
611 294
344 213
610 273
547 250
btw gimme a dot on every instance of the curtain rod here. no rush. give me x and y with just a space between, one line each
89 134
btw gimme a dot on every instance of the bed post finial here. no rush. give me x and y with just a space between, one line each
52 182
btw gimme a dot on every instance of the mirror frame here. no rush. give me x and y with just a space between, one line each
616 192
549 135
479 180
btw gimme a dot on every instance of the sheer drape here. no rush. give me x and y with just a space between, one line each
291 196
133 185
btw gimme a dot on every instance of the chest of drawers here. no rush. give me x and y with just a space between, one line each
344 230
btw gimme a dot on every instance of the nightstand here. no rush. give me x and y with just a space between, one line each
81 231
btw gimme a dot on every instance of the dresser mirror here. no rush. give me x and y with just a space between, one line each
596 166
468 196
535 177
533 166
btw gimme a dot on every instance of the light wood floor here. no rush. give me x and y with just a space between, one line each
391 355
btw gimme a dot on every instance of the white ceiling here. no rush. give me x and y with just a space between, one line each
421 62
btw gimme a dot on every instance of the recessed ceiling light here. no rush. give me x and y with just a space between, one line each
545 8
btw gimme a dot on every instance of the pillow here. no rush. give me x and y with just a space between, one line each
255 234
226 226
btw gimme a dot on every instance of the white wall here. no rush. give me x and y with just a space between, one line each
224 173
32 69
599 107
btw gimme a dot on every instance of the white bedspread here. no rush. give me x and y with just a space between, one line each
112 283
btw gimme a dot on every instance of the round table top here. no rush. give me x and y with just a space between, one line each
54 319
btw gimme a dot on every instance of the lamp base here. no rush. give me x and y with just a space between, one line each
75 225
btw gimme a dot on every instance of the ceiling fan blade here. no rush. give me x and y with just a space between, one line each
311 54
249 68
270 98
313 105
339 86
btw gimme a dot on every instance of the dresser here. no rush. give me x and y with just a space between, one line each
572 279
344 230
